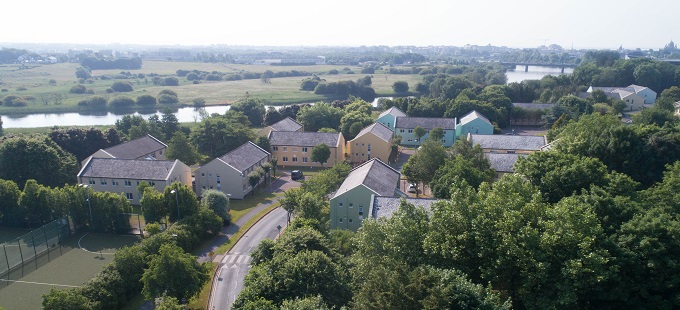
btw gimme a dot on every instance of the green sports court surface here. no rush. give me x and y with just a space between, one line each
77 260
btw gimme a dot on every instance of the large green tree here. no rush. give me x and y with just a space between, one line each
38 158
179 147
320 115
173 273
252 108
321 153
217 135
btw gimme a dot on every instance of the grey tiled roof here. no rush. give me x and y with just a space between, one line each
286 124
386 206
394 111
425 122
534 106
505 142
136 148
472 116
116 168
502 162
379 130
297 138
374 174
245 156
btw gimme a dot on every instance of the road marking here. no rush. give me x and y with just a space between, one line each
237 259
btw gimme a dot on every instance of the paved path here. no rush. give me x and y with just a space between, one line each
234 266
281 184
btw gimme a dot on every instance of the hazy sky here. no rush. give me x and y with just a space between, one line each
518 23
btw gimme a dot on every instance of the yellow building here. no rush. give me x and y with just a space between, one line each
294 148
373 141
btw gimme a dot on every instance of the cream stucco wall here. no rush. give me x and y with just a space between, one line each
358 149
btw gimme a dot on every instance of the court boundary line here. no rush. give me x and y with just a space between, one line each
86 250
40 283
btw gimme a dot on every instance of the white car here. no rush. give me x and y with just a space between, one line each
413 188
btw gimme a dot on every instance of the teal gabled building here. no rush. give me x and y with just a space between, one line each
474 123
389 117
404 126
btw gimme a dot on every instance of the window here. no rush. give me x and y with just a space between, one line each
285 149
351 205
210 175
203 187
511 152
369 147
304 149
137 183
285 158
409 139
218 178
202 174
362 144
340 204
114 182
361 210
410 131
92 182
103 182
340 220
294 159
401 130
152 183
369 156
356 154
275 148
349 220
295 149
129 196
128 183
357 144
304 159
362 155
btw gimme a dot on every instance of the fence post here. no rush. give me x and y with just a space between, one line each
47 244
7 260
35 252
21 252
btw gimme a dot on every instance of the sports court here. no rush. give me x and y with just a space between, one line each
79 258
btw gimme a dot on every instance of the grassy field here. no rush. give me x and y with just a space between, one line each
79 259
34 83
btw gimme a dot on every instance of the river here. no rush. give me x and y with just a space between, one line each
534 73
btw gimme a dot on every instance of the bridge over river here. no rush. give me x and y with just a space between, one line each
528 64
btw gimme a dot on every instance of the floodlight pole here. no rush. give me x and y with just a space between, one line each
89 205
177 201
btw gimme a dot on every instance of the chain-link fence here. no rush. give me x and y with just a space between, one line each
34 244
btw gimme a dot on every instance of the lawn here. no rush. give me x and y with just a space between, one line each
286 90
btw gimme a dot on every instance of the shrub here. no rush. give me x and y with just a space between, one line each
21 88
333 71
90 91
146 100
78 89
121 102
167 99
121 86
52 82
109 90
4 90
170 81
400 87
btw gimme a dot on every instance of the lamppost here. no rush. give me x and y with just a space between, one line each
89 205
177 201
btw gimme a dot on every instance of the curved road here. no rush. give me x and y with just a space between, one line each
236 263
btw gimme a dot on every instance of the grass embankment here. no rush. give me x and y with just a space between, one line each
34 82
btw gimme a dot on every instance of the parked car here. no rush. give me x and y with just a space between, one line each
413 188
297 175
